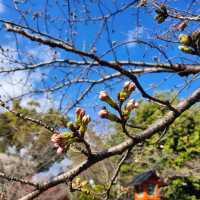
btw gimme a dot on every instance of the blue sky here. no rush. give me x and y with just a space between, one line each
130 25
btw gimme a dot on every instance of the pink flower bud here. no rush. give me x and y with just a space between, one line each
86 119
103 95
103 113
56 137
78 110
129 86
82 113
126 84
60 150
132 104
136 104
56 145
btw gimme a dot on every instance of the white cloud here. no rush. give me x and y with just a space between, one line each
14 84
17 83
53 171
44 103
2 7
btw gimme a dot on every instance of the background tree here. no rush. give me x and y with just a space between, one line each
174 152
61 54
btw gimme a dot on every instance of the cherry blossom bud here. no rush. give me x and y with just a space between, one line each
129 86
82 113
126 85
132 104
86 119
60 150
136 104
103 95
56 137
79 115
56 145
103 113
78 110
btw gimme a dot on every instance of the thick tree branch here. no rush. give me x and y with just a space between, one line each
61 44
147 67
159 125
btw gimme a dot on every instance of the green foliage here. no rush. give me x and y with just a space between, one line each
180 145
18 134
184 189
166 151
88 191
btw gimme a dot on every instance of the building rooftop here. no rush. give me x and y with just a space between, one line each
140 178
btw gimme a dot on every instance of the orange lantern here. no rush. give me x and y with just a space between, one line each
147 186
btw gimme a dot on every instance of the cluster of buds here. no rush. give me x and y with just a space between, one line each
59 142
132 104
104 113
128 88
81 122
190 44
63 141
123 95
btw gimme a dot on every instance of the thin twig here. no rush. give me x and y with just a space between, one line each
23 181
124 157
159 125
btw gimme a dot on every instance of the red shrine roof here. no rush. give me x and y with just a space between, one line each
140 178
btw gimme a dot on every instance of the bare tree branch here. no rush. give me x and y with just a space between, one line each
146 67
124 157
159 125
57 43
